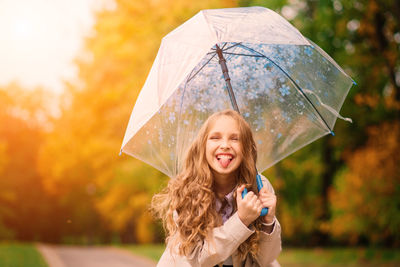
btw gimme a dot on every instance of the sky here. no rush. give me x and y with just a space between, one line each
40 38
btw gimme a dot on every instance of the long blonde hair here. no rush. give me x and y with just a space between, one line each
187 205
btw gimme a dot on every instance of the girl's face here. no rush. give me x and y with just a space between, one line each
223 147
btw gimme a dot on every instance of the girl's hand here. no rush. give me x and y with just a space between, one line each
268 200
249 207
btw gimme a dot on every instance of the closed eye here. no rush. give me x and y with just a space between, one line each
235 138
214 136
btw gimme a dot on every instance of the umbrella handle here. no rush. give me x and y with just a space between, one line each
260 185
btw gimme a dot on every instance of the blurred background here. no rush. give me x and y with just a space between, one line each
70 72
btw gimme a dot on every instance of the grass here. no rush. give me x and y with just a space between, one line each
20 255
152 251
313 257
326 257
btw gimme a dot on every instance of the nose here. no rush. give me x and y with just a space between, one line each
224 143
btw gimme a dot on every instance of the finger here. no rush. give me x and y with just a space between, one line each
253 200
270 206
258 206
259 209
258 203
263 190
239 191
265 194
268 201
250 195
268 197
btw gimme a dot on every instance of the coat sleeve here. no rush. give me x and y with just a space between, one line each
270 245
223 241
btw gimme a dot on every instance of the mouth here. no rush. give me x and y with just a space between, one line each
224 159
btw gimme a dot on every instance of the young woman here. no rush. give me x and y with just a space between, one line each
207 221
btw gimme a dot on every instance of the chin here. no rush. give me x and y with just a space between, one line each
229 170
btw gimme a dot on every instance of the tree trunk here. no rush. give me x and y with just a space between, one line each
327 176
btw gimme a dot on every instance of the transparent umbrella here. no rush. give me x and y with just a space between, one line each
250 59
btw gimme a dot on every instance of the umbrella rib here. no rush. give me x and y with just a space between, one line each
241 54
215 49
238 54
192 76
223 46
295 84
232 46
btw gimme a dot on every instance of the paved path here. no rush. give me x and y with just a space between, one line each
75 256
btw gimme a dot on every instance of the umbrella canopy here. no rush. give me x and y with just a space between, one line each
287 88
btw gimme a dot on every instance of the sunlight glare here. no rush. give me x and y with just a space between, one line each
39 40
23 30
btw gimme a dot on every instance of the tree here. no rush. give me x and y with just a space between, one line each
366 203
363 37
22 215
79 161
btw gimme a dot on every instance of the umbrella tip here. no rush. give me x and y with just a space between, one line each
354 82
120 153
332 133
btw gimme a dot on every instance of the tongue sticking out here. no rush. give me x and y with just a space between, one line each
224 161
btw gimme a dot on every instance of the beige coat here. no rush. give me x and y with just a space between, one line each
224 242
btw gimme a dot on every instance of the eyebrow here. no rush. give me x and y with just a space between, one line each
212 133
235 133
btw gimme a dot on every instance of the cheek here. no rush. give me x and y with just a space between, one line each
211 146
240 153
240 159
209 151
208 148
238 149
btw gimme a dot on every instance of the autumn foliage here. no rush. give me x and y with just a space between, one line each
365 198
62 180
